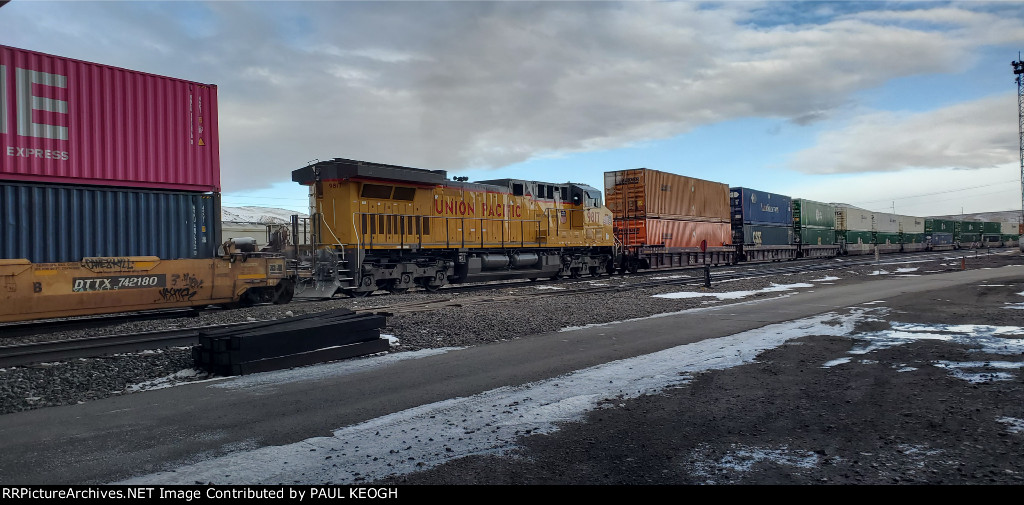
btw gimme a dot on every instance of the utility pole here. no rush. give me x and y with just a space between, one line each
1018 70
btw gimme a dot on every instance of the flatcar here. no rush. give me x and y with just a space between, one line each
387 227
136 283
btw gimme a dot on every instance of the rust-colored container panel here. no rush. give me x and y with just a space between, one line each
672 233
73 122
644 193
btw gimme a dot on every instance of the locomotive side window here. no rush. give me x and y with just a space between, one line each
404 194
517 189
551 192
565 194
377 191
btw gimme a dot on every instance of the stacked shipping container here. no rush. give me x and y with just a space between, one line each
72 131
814 222
760 218
653 208
854 227
912 233
938 233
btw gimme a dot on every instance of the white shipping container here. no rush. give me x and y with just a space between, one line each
887 223
911 224
853 218
1009 228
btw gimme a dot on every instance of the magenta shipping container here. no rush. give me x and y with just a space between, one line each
73 122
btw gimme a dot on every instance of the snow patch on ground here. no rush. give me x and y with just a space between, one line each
978 372
734 295
838 361
1014 425
425 436
742 458
826 279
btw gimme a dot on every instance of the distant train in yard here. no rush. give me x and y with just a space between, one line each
110 202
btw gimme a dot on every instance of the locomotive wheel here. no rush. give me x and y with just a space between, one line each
595 272
359 294
283 292
574 273
394 289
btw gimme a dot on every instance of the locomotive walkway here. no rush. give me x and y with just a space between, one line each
121 437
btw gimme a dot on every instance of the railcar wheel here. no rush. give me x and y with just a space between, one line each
595 272
359 294
574 273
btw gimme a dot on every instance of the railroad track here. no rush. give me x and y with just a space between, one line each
22 354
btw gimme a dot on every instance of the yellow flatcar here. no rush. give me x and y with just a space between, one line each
389 227
125 284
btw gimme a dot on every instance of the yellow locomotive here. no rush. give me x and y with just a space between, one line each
377 226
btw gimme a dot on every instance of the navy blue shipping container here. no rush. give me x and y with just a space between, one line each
56 223
759 207
940 238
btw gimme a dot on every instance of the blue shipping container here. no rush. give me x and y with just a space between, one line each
759 207
56 223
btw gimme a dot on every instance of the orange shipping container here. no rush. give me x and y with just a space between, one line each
645 193
672 232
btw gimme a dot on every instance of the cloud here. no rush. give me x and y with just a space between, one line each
975 134
456 85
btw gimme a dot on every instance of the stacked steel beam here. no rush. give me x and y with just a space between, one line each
291 342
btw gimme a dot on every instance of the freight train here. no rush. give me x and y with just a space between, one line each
105 214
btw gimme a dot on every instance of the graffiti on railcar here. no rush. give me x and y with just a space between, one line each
178 294
108 263
184 287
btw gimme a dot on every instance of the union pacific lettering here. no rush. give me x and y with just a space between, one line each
452 207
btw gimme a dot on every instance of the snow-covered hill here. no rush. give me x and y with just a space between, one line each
260 215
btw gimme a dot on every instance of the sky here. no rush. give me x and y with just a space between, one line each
905 107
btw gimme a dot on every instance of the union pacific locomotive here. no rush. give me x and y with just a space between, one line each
377 226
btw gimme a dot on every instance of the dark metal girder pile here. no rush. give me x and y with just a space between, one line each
291 342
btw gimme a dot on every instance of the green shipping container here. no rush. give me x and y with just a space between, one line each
859 237
989 227
811 213
913 238
971 227
817 236
887 238
939 225
1011 237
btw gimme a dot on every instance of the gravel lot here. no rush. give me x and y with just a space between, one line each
506 312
